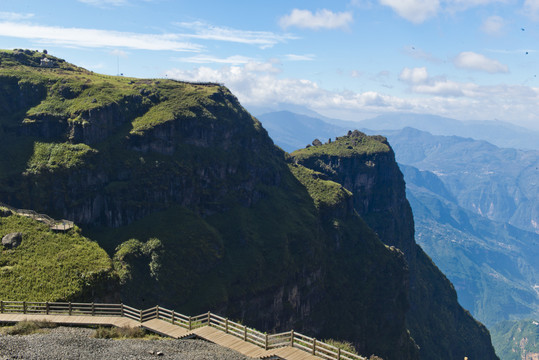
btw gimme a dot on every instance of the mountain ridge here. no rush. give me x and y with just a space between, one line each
176 178
499 133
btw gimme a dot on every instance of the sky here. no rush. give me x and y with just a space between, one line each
346 59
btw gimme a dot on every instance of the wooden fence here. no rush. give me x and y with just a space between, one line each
54 224
263 340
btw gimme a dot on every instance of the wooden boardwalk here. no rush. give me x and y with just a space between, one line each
221 338
288 345
164 328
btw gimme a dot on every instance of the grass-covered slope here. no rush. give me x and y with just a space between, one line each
51 266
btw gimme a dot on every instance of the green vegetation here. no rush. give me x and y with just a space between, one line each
197 208
124 332
135 249
54 156
343 345
50 266
516 340
70 89
69 93
165 253
28 327
196 263
325 193
180 100
352 145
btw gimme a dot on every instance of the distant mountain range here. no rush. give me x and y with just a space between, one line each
492 265
499 184
476 205
292 131
499 133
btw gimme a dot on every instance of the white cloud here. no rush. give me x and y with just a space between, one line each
204 31
119 53
513 51
416 11
96 38
255 87
421 83
415 75
474 61
207 59
322 19
295 57
493 25
104 3
11 16
257 84
263 67
461 5
445 88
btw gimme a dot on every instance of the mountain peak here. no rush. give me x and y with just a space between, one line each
353 144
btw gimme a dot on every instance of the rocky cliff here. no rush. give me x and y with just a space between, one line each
199 210
366 167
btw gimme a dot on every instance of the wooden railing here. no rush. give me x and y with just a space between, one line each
54 224
263 340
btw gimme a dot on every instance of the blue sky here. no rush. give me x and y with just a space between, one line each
353 59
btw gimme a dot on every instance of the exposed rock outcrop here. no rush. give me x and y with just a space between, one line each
5 212
12 240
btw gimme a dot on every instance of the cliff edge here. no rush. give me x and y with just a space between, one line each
198 210
366 166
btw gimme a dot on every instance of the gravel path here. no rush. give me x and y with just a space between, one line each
76 343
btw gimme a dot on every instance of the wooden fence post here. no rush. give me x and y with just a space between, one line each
69 308
157 311
339 354
122 309
190 324
314 346
2 306
140 311
172 317
226 325
93 309
47 308
209 318
266 343
244 332
24 307
292 338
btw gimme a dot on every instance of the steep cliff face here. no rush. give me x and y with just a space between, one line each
130 128
195 205
366 166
